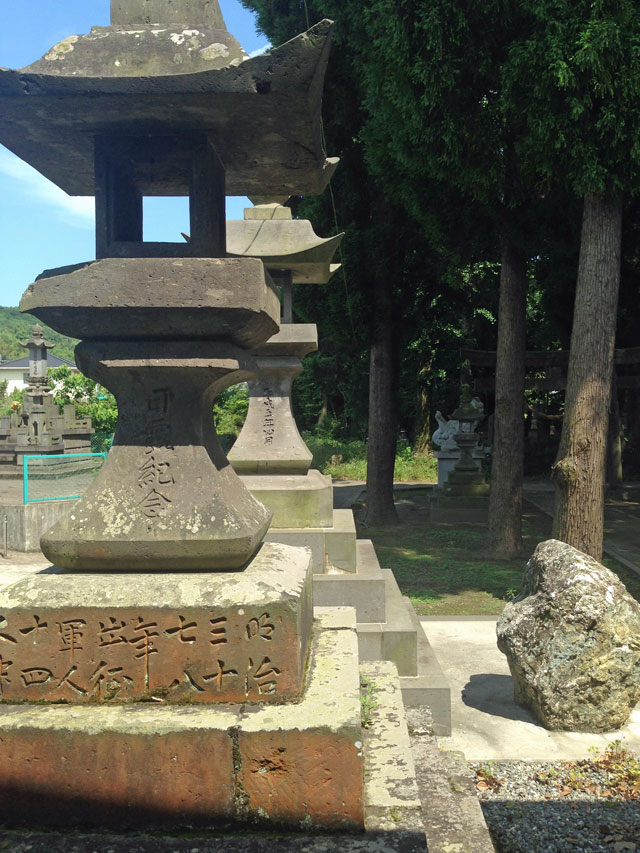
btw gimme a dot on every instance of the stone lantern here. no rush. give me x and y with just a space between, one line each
167 662
466 478
165 102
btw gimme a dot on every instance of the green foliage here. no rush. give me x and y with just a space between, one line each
573 78
368 701
434 254
614 772
12 401
230 410
16 327
324 449
90 398
443 569
347 460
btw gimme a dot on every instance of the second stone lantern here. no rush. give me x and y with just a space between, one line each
270 453
140 109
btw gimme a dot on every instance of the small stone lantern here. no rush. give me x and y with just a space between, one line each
466 478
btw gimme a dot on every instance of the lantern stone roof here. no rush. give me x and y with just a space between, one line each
139 77
37 338
269 232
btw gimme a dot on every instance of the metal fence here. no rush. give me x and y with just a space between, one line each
58 477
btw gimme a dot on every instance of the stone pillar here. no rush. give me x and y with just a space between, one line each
270 442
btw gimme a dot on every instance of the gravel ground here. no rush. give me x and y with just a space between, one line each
526 815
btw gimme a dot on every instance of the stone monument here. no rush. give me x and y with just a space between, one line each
465 495
448 451
270 454
180 646
39 427
274 461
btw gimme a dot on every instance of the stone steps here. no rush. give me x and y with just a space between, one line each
388 629
330 546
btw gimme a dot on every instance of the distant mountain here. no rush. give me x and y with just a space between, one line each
16 327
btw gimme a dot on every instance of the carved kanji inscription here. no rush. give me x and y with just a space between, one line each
124 655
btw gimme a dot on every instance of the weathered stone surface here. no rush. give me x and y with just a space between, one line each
270 442
572 640
303 764
284 244
117 767
333 546
295 501
141 12
171 298
294 340
149 765
260 114
166 497
197 638
391 791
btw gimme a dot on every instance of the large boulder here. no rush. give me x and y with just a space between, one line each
572 639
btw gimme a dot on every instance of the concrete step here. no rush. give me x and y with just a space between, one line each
364 589
391 795
395 639
388 629
429 686
330 546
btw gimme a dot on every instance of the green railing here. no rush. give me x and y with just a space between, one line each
58 470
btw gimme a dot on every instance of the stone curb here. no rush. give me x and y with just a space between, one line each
453 817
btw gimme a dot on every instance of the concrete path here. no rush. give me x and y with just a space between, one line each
486 722
621 521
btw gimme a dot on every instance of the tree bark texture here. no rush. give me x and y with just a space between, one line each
579 471
504 539
422 442
381 449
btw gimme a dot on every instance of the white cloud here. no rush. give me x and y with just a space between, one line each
259 51
78 211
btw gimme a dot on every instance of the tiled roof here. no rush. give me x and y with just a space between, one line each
52 362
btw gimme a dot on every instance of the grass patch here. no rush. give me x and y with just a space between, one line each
441 567
347 460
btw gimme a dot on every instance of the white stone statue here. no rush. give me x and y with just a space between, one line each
444 435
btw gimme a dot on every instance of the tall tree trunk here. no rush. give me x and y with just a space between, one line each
381 448
580 467
422 440
504 539
614 441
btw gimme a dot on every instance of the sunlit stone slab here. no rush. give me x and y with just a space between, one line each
106 638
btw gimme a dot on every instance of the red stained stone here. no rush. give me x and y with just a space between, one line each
299 775
114 778
83 655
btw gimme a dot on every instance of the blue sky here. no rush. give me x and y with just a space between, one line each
40 226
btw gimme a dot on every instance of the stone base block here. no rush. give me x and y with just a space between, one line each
364 590
295 501
26 524
297 765
448 458
330 546
395 639
429 686
182 638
